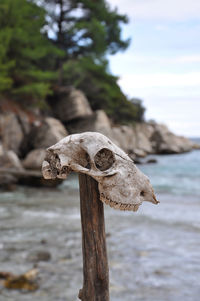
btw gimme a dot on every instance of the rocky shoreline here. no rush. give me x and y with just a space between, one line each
25 134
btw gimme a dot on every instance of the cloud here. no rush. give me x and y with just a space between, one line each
189 59
162 66
131 58
129 81
176 10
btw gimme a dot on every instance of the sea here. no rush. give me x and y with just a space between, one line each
154 254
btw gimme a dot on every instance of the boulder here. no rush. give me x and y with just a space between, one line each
97 122
11 133
1 150
132 140
165 142
140 153
34 159
69 104
46 133
196 146
25 121
124 137
8 159
151 160
143 132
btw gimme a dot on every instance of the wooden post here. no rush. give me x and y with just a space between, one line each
95 264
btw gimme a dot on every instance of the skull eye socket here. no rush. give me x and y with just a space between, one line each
104 159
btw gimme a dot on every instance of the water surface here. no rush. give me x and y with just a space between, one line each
153 254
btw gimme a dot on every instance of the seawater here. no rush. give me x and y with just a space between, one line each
154 254
176 174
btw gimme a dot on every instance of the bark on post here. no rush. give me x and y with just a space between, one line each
95 264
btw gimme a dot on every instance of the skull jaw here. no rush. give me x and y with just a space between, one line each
118 205
49 173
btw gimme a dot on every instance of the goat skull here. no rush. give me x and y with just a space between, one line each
121 184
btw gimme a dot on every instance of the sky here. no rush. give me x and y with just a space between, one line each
162 64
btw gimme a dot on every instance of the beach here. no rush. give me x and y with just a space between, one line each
153 253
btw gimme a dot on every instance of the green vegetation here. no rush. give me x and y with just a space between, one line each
48 44
24 51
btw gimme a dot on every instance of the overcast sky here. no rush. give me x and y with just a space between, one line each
162 65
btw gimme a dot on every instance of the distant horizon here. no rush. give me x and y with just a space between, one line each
162 64
198 138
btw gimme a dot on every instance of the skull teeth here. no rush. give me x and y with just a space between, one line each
116 205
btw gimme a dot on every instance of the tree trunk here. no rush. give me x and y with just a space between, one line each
95 264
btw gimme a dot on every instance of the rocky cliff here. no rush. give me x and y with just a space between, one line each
24 135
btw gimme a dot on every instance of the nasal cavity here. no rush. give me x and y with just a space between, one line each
104 159
83 159
142 193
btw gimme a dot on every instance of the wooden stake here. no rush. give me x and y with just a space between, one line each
95 263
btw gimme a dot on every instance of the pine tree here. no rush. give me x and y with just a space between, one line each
87 31
85 27
24 50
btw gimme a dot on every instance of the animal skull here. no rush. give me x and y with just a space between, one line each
121 184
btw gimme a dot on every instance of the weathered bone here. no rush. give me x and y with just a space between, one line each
121 184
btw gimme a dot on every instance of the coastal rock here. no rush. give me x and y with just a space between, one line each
34 159
196 146
165 142
139 140
24 121
11 133
151 161
133 140
123 136
1 150
69 104
140 153
8 159
47 133
143 132
97 122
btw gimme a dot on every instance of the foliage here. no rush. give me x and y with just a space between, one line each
24 50
85 27
47 44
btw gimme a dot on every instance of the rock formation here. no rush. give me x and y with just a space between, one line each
69 104
11 133
47 132
27 134
34 159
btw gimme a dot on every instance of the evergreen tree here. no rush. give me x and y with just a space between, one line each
85 27
47 44
87 31
24 51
